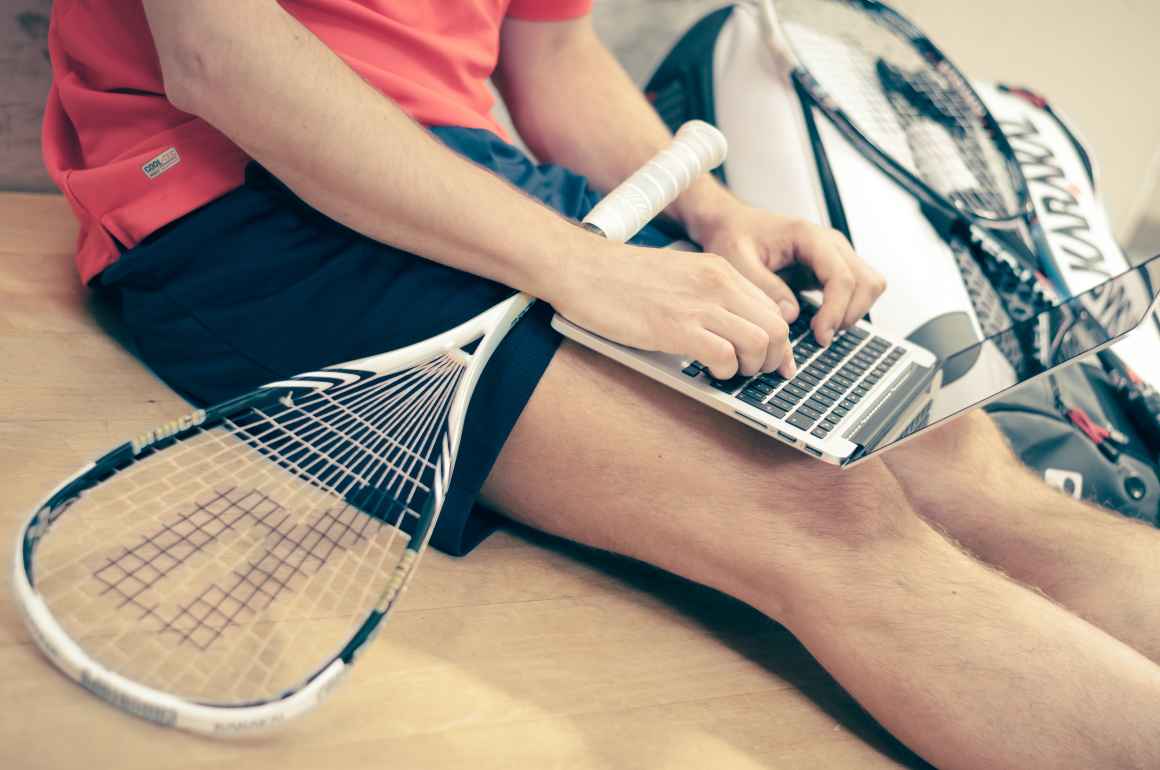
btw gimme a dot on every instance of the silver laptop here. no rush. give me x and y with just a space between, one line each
869 390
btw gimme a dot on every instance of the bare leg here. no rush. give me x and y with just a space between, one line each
1101 565
964 665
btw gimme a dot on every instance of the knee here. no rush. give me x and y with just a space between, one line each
833 533
854 509
823 510
973 449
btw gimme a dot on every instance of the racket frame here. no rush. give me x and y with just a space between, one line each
696 148
779 45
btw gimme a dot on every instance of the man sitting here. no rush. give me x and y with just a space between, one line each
984 619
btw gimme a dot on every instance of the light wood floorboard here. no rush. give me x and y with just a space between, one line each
530 653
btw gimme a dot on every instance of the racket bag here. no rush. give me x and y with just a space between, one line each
784 156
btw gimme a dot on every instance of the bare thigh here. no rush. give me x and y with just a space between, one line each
606 457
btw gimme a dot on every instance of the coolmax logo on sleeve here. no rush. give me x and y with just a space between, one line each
162 163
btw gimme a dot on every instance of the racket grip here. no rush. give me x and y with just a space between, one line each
696 148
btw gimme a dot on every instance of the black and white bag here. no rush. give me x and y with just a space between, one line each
784 156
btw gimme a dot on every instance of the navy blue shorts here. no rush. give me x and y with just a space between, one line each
257 286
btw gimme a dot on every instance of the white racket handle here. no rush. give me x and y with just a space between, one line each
698 147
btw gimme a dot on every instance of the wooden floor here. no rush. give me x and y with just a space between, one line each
528 653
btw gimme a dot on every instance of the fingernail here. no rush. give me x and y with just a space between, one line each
789 311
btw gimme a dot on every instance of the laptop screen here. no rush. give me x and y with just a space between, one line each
1028 349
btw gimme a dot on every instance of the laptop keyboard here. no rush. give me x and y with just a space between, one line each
829 383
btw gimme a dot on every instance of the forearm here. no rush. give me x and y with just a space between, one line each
575 105
347 150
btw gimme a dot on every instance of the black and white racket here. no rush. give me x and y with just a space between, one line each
906 108
221 572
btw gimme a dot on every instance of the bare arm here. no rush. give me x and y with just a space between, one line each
348 151
574 104
291 103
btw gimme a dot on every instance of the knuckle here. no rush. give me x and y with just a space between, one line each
778 330
841 239
799 226
758 340
713 273
843 279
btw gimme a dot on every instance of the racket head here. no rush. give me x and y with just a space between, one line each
895 96
220 573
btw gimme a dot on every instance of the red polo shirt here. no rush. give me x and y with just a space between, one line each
130 162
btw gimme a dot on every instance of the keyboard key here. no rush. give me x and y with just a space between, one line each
808 377
839 412
783 403
773 409
829 391
759 386
731 385
692 370
751 396
809 411
856 333
848 403
772 379
796 389
801 421
842 380
820 432
822 399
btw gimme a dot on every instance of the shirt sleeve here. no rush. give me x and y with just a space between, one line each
549 10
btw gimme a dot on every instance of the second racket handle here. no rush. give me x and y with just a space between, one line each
697 147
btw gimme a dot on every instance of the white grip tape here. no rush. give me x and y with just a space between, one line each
697 148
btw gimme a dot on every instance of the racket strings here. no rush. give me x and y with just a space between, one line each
287 557
236 581
916 112
230 453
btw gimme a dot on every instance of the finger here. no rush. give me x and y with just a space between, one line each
770 284
788 367
868 283
759 309
715 352
822 255
740 297
755 350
